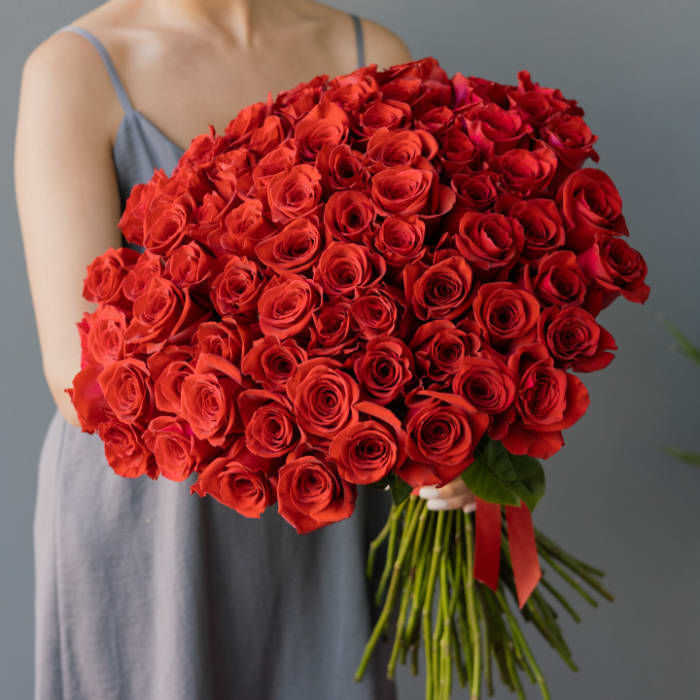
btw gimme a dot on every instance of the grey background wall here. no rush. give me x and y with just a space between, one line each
613 498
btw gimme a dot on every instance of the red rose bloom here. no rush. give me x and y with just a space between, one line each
346 268
125 452
127 390
236 288
385 368
270 428
271 361
293 249
286 305
349 216
294 193
106 273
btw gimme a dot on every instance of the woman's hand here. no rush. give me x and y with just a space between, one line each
451 496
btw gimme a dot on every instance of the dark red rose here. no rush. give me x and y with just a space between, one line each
542 225
438 291
493 129
236 288
574 339
270 427
105 275
238 480
126 387
548 401
443 432
349 216
491 243
345 269
402 190
162 313
176 450
440 347
293 249
505 313
365 452
125 451
591 206
558 279
390 147
527 172
384 369
323 397
208 396
435 120
311 494
294 193
334 331
271 361
458 152
379 114
476 191
286 305
571 139
615 268
341 167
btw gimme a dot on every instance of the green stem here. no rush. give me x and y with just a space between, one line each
393 529
375 545
471 608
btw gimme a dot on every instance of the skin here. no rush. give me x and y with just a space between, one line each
185 64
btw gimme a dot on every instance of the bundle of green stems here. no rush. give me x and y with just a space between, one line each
427 595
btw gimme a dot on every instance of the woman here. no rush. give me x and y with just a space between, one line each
142 590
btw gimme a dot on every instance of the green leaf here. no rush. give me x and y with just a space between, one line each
400 490
684 455
684 344
500 477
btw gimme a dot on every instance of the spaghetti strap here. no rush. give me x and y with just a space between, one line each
359 40
109 65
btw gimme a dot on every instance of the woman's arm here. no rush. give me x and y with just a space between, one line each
67 193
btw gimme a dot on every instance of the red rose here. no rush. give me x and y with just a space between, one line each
440 347
548 401
385 368
439 291
527 172
402 190
590 205
346 268
125 452
188 265
558 279
571 139
380 114
443 432
245 122
238 480
458 152
476 191
487 384
105 275
294 193
333 331
490 242
311 494
542 225
293 249
341 167
162 313
401 240
208 398
267 136
271 361
139 275
505 313
105 337
325 124
435 120
236 288
376 311
127 390
574 339
390 147
495 130
227 339
286 305
255 180
167 222
167 386
270 428
349 216
615 267
323 398
176 450
242 229
365 452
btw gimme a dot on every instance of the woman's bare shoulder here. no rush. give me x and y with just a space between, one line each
382 45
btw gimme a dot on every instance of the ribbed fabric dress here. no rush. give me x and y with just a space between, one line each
145 592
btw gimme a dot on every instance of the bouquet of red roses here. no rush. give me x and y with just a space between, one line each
384 279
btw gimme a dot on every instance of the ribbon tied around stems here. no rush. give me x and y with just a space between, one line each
521 542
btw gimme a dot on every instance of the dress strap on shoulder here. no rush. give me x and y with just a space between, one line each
359 40
109 65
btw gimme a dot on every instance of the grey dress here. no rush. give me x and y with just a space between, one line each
145 592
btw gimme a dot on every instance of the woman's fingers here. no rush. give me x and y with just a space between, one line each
459 501
454 488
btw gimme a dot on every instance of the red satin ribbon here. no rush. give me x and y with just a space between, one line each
521 542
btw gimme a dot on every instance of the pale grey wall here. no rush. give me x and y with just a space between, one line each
613 497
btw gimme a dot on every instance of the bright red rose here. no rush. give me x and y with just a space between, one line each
226 338
323 397
125 451
270 428
188 265
527 172
245 122
286 305
126 386
548 401
400 240
402 147
167 383
311 494
238 480
571 139
380 114
243 227
344 269
105 275
293 249
365 452
476 191
558 279
495 130
334 331
267 136
294 193
105 337
167 222
140 274
349 216
326 124
271 361
236 288
402 190
376 311
341 168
